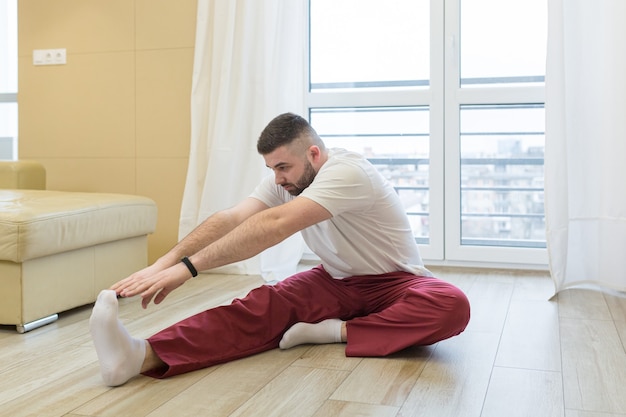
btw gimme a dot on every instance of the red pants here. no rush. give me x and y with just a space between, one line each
384 314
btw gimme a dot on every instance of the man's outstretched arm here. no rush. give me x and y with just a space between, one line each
260 232
215 227
255 234
210 230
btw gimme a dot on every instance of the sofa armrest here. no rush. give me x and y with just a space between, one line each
22 175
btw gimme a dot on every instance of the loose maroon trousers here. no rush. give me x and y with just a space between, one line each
384 313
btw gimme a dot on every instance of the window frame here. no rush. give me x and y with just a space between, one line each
444 97
9 20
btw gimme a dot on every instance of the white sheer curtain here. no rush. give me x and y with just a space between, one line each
585 188
249 66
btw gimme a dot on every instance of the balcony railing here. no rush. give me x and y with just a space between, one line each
531 219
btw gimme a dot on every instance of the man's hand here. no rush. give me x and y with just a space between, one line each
121 286
153 282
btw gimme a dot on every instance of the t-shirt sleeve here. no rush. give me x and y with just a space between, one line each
340 188
268 193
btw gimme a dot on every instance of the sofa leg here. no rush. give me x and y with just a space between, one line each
26 327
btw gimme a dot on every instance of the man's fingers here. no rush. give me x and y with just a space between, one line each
120 285
147 295
138 287
161 296
125 286
157 286
145 299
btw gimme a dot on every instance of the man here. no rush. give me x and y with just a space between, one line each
371 290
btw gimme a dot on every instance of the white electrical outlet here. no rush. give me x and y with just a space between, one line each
50 56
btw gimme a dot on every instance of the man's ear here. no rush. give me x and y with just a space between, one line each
314 153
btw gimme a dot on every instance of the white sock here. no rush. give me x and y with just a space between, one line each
326 331
120 355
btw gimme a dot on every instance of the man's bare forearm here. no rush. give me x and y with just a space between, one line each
207 232
245 241
259 232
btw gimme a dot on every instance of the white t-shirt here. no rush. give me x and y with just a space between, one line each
369 233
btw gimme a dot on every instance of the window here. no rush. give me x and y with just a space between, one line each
348 50
501 150
8 79
447 100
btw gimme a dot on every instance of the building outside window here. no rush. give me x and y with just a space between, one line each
446 98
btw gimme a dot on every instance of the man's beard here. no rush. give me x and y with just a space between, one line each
304 181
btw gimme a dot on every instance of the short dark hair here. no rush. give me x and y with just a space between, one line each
285 129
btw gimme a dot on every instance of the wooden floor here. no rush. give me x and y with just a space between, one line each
521 355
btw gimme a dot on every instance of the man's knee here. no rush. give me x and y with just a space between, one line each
445 304
460 311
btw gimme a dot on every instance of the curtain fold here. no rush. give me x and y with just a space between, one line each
585 191
249 66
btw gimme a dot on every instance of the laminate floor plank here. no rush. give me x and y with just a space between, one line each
578 413
594 366
229 386
489 298
530 338
583 304
59 397
384 381
523 392
455 379
297 391
331 356
333 408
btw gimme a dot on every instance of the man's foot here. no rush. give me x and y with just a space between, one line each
326 331
119 354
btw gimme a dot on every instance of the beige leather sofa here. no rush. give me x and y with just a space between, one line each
58 249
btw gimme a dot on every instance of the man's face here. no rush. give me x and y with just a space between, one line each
293 172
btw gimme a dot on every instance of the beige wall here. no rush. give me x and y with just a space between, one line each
116 117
